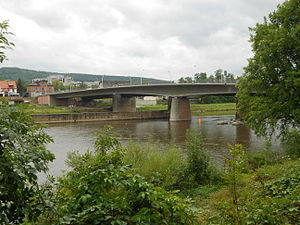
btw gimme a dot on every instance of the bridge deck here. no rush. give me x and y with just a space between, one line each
174 90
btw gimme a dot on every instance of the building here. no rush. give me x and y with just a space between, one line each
8 88
66 80
39 88
113 83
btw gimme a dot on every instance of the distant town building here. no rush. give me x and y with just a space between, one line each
113 83
66 80
40 87
8 88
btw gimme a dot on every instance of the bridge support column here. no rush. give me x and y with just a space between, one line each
53 101
123 103
180 109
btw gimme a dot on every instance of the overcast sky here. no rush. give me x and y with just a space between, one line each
163 39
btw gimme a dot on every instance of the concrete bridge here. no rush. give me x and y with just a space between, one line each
124 97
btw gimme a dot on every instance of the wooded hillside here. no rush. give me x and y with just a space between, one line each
13 73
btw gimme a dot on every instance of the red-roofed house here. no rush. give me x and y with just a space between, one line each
8 88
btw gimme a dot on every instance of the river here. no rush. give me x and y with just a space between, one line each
81 136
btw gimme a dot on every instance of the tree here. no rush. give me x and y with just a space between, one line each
211 78
269 90
58 85
219 76
21 87
22 156
229 78
4 42
185 80
200 77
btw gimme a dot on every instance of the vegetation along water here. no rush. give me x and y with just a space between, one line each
134 183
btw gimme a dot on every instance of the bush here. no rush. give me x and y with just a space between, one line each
101 190
263 157
200 168
162 102
270 195
22 156
291 144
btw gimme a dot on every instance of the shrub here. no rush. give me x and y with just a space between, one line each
22 156
101 190
162 102
272 199
200 168
291 144
265 156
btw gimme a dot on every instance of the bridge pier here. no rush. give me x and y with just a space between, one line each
123 103
180 109
53 101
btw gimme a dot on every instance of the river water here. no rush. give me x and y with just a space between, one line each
81 136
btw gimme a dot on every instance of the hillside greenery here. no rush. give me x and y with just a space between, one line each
14 73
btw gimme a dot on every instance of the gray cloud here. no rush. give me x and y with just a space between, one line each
160 38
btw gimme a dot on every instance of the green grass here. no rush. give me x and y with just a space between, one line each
214 113
197 109
40 109
152 107
206 107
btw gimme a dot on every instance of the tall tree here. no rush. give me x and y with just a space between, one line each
219 75
200 77
4 42
21 87
273 73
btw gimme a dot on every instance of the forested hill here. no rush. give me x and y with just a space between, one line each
13 73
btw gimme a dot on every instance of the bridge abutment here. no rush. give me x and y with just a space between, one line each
180 109
52 101
123 103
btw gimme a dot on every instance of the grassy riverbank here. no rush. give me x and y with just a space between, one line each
267 195
40 109
200 109
251 188
197 109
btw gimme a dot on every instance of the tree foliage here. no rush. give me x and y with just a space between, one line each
269 91
22 156
4 42
218 77
58 85
200 169
21 87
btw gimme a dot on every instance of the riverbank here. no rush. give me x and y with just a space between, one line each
267 195
99 116
48 114
197 109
